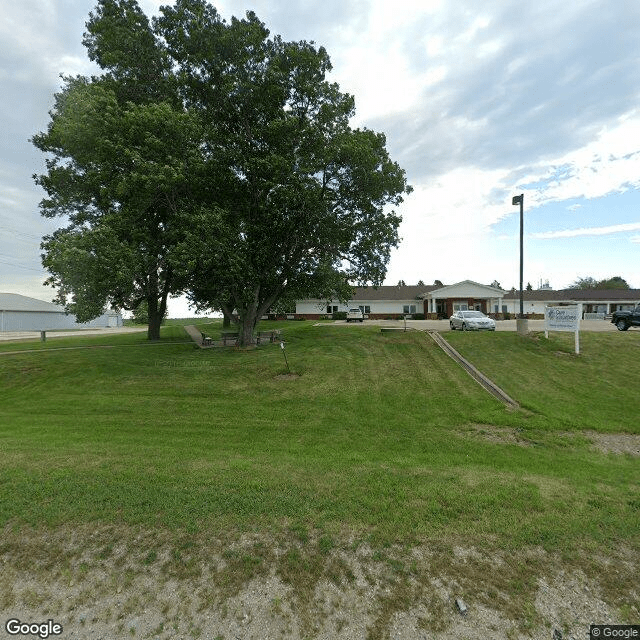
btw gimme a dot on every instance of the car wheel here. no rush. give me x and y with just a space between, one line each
453 328
622 325
464 326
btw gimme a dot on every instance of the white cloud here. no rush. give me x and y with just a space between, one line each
610 163
592 231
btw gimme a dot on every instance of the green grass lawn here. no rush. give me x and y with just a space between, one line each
381 435
597 389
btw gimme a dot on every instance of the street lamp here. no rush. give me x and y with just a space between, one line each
521 321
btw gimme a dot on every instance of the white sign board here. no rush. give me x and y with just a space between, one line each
563 319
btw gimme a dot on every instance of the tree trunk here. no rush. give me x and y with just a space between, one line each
157 302
155 320
227 311
248 326
252 313
156 314
157 310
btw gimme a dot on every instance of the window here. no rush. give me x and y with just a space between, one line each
331 309
460 306
365 308
409 308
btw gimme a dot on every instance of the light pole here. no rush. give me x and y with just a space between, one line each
521 322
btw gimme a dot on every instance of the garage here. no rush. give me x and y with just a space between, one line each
22 313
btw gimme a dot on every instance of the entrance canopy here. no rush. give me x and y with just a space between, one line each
464 295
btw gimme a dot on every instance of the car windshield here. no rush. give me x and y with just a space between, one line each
473 314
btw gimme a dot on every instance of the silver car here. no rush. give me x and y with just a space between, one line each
471 321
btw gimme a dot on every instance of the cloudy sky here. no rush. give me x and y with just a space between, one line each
480 101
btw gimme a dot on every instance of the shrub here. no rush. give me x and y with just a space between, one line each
339 315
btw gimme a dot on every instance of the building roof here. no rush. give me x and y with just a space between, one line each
626 295
407 292
446 290
16 302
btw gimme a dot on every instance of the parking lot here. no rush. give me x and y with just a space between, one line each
501 325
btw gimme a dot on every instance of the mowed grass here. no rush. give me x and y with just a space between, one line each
377 436
595 389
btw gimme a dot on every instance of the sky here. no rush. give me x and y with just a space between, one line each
479 101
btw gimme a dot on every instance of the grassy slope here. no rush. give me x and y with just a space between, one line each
375 436
597 389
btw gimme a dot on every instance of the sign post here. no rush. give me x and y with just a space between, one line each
563 319
285 357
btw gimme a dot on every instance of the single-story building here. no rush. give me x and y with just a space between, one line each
442 301
21 313
432 301
593 302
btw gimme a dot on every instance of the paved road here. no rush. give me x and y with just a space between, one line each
35 335
423 325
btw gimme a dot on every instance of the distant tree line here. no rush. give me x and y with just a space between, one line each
616 282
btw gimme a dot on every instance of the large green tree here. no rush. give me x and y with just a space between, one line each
254 188
123 156
121 175
304 208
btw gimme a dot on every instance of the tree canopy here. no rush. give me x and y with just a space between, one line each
616 282
212 159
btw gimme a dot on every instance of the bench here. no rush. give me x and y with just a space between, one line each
271 336
231 336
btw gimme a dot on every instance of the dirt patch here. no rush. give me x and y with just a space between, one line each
498 435
119 582
619 443
287 376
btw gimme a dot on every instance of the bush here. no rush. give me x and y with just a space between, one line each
417 316
339 315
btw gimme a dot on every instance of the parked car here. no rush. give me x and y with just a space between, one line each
356 315
625 319
471 321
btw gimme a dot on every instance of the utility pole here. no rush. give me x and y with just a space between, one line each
521 321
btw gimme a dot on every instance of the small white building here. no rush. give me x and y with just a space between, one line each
21 313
